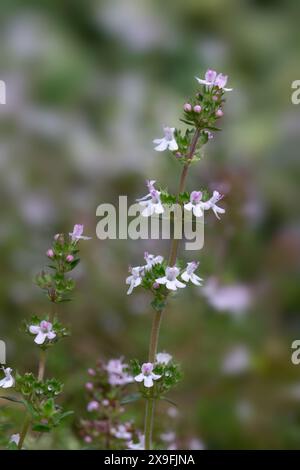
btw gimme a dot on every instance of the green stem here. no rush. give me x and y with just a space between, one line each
149 417
24 431
150 405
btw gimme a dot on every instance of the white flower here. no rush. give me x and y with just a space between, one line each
8 380
147 375
195 204
167 142
170 279
212 204
42 331
214 79
15 438
139 445
189 275
121 432
151 260
163 358
77 233
151 201
135 279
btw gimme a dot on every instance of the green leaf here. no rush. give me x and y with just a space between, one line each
189 123
131 398
41 427
169 401
13 399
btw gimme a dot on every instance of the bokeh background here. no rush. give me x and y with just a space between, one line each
89 85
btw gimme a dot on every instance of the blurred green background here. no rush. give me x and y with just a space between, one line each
89 85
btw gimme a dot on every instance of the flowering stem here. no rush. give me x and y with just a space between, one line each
150 405
41 373
42 365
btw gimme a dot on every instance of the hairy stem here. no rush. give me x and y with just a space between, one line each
150 405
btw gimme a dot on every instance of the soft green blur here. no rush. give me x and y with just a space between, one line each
89 85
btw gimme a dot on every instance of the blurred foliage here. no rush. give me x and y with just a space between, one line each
89 85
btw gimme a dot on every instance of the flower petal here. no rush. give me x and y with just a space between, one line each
148 381
40 338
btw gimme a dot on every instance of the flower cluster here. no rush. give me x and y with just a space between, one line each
156 276
202 113
46 332
105 428
64 258
156 378
197 201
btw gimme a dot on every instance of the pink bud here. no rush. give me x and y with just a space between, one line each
88 439
155 285
70 258
215 98
91 372
178 155
197 108
219 113
50 253
187 107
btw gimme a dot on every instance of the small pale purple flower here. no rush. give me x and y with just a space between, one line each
166 142
197 108
77 233
135 278
189 275
70 258
214 79
152 260
195 204
117 373
163 358
147 375
170 279
42 331
8 380
212 204
93 406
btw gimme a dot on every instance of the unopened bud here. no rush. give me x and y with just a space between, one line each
187 107
197 108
